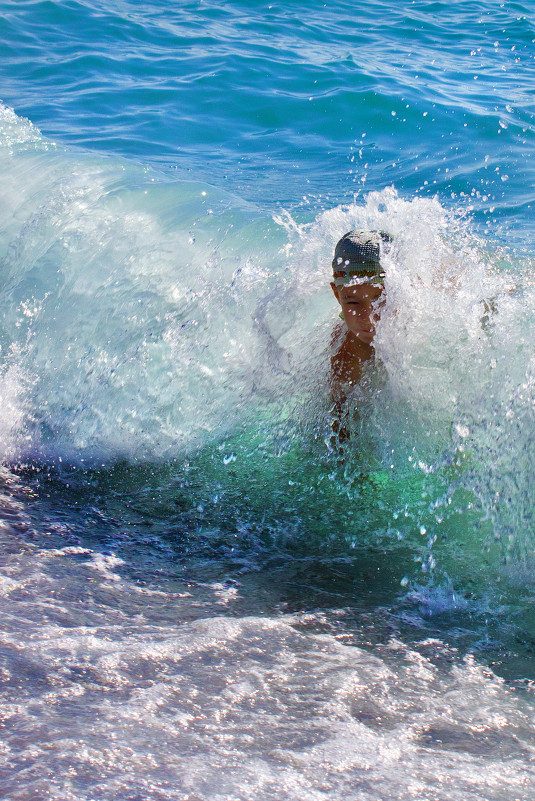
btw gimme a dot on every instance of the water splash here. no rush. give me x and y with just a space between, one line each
148 320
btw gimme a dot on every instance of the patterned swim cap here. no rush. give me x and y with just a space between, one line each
357 255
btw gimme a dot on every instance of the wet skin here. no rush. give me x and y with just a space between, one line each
360 308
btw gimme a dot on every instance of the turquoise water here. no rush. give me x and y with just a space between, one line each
202 598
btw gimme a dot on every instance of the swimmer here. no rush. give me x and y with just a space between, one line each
358 287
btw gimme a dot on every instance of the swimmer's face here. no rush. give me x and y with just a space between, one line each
360 308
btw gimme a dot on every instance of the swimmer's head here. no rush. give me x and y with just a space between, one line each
357 258
358 281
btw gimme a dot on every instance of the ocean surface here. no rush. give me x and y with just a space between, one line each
201 598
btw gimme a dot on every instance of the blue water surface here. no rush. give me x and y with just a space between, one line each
288 103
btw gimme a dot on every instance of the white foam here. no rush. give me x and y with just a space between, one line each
138 325
114 690
130 303
13 409
251 708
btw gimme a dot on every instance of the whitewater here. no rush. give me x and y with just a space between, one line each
201 597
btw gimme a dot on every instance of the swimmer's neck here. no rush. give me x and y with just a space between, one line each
363 351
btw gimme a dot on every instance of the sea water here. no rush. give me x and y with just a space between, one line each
202 595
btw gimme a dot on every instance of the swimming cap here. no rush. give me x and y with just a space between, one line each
357 255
